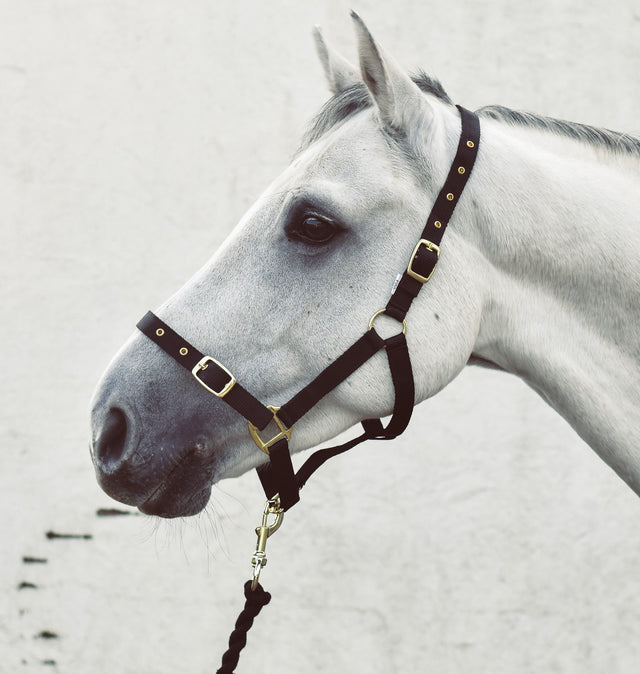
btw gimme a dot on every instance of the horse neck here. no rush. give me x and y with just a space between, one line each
560 228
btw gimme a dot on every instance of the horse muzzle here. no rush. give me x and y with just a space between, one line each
170 476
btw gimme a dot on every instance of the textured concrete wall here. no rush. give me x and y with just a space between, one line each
132 138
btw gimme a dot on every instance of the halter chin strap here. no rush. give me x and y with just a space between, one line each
278 476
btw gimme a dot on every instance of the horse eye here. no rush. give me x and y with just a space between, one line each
315 230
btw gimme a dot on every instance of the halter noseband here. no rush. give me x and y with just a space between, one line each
278 476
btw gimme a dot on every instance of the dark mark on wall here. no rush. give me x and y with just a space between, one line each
84 537
46 634
27 586
113 512
49 662
34 560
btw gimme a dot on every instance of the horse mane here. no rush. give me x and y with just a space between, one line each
614 141
355 98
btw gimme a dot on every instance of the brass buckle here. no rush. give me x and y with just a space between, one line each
203 364
430 246
284 432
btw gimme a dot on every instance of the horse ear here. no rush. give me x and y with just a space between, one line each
339 72
399 100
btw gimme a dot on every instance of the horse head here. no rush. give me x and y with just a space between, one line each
294 285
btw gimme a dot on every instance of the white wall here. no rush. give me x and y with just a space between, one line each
132 138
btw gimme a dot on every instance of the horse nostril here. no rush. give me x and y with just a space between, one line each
112 440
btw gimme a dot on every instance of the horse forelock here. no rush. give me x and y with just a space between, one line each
355 98
614 141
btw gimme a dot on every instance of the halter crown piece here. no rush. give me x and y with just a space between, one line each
277 476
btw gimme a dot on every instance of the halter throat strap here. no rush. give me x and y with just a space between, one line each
278 476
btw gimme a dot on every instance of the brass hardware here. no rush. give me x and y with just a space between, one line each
431 246
203 364
263 532
461 170
284 432
449 197
159 332
437 224
379 313
184 351
470 143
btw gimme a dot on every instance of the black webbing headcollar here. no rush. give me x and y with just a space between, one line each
278 476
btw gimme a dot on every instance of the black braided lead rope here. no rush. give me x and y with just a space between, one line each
255 600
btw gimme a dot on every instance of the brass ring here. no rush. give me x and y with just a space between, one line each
159 332
379 313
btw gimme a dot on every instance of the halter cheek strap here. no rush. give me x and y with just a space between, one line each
278 476
426 254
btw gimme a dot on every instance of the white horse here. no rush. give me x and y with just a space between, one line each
539 276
